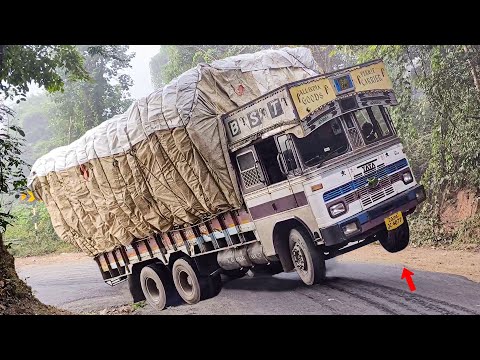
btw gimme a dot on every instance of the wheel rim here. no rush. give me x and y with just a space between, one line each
153 289
299 259
186 282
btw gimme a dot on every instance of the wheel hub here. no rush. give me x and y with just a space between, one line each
298 258
153 289
186 282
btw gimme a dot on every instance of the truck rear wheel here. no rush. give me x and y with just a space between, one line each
156 285
215 286
187 282
309 262
395 240
134 285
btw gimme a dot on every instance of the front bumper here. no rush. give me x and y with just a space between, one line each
370 219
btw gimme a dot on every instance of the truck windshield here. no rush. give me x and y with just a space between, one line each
325 143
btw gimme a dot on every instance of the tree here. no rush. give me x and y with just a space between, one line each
329 58
173 60
19 66
86 104
33 116
22 64
438 120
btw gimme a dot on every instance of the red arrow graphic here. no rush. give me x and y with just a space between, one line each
407 275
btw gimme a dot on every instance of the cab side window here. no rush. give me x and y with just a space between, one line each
250 172
372 124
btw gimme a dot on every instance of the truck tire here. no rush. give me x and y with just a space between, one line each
215 286
309 262
189 285
156 285
134 285
395 240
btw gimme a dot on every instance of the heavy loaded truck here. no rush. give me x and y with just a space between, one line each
256 162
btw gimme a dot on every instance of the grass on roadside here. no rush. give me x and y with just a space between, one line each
30 247
24 238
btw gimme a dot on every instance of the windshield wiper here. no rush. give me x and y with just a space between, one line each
329 156
313 158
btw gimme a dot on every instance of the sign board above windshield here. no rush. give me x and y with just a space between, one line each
267 112
310 95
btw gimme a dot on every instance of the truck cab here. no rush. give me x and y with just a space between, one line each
322 170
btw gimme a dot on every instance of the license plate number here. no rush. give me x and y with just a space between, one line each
394 221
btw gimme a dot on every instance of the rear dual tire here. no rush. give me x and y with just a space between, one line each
190 285
157 285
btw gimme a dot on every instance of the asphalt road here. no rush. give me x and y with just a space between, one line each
351 288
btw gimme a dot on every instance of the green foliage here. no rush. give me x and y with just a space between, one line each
22 64
438 120
427 230
33 116
139 305
84 105
329 58
51 121
438 116
12 179
24 240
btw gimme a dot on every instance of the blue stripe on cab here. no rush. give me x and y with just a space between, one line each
357 183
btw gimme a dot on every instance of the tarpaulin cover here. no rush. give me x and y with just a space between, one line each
163 163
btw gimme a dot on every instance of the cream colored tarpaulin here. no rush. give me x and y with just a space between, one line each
163 163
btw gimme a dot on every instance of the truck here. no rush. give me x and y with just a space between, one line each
317 171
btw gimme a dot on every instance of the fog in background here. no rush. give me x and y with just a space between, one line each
140 73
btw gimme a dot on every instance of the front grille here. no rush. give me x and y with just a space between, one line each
360 180
369 195
351 197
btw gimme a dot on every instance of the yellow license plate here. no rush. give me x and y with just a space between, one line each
394 221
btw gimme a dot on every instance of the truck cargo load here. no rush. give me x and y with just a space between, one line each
164 163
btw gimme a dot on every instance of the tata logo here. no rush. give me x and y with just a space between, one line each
372 182
368 167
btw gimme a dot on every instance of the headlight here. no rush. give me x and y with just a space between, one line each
350 228
407 177
337 209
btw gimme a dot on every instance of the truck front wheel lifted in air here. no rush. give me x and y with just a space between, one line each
156 285
307 259
395 240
